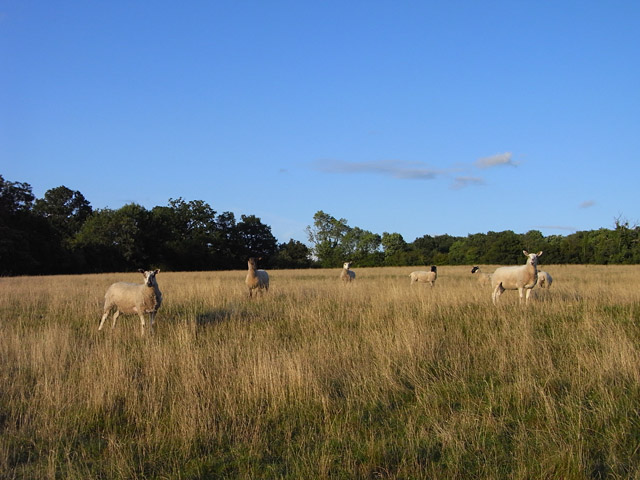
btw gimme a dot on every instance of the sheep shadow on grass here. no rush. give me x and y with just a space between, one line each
228 314
213 317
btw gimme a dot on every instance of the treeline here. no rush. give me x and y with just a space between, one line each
333 239
62 233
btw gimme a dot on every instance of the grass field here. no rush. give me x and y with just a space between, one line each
378 379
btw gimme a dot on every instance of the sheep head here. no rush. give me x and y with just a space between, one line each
149 276
532 257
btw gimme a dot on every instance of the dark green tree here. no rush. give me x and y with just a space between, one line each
503 248
426 248
395 249
533 241
28 245
192 233
65 209
115 240
460 253
228 245
326 236
293 254
256 239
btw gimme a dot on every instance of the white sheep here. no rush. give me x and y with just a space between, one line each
483 278
256 279
347 275
516 278
422 276
129 298
544 279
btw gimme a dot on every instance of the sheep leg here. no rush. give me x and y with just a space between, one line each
521 293
104 317
497 292
115 318
152 315
528 293
141 315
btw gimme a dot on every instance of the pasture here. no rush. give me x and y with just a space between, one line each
319 379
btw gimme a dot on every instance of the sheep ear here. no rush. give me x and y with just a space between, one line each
141 271
526 254
157 271
540 253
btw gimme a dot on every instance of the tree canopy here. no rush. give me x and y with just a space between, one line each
62 233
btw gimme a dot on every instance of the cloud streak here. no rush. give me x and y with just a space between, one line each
462 182
587 204
391 168
496 160
405 170
555 227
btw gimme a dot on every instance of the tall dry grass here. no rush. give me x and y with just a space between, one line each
316 379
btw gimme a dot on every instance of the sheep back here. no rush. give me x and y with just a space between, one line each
257 279
513 278
544 279
422 276
133 298
483 278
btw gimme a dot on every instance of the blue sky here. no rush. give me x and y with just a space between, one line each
415 117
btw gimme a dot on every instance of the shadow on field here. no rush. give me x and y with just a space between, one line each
227 314
213 317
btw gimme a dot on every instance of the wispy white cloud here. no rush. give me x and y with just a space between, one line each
392 168
555 227
496 160
462 182
405 170
587 204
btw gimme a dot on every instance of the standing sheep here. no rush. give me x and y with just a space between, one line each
422 276
347 275
544 279
256 279
516 278
131 298
483 278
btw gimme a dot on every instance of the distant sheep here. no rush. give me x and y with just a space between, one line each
129 298
544 279
347 275
421 276
521 278
256 279
483 278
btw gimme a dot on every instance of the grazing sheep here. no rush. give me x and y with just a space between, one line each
483 278
256 279
347 275
422 276
544 279
516 278
130 298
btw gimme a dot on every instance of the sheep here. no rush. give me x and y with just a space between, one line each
347 275
516 278
256 279
422 276
131 298
483 278
544 279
